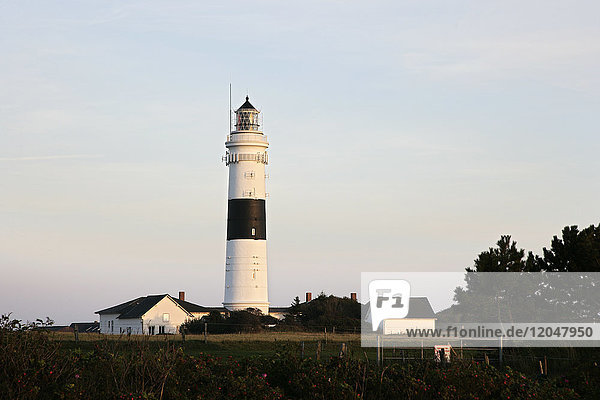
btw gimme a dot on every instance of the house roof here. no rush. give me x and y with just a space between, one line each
220 309
140 307
119 308
137 307
86 326
418 307
55 328
192 308
278 309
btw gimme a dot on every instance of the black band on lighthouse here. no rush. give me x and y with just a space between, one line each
246 219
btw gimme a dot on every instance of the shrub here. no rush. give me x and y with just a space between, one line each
36 367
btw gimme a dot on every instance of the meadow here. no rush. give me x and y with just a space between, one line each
271 365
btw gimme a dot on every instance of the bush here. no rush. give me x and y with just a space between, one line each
35 367
250 320
325 311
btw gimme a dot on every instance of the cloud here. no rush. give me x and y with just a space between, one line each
53 157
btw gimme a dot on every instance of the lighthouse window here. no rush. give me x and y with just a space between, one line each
250 175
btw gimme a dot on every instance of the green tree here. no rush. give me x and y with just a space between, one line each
325 311
296 301
515 297
575 251
505 257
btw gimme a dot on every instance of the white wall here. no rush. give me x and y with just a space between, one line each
399 326
246 275
119 326
154 317
104 322
246 178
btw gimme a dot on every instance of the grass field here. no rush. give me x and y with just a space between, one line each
268 344
230 337
234 345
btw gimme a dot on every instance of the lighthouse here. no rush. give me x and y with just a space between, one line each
246 254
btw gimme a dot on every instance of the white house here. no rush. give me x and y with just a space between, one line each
420 316
151 315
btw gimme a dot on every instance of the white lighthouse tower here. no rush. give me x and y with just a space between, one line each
246 260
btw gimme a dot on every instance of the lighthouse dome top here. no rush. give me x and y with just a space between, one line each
247 106
246 118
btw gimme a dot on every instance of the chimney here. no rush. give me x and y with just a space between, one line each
353 296
308 296
182 296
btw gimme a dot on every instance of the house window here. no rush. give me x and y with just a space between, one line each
161 330
253 231
166 317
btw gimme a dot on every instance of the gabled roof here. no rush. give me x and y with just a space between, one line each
418 307
137 307
278 309
55 328
141 307
120 308
247 106
86 326
191 307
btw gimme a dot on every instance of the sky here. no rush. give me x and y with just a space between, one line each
404 136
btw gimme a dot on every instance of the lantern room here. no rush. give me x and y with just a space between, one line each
246 118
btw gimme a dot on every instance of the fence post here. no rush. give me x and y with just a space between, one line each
500 352
343 350
325 335
76 333
206 332
318 350
378 350
302 350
